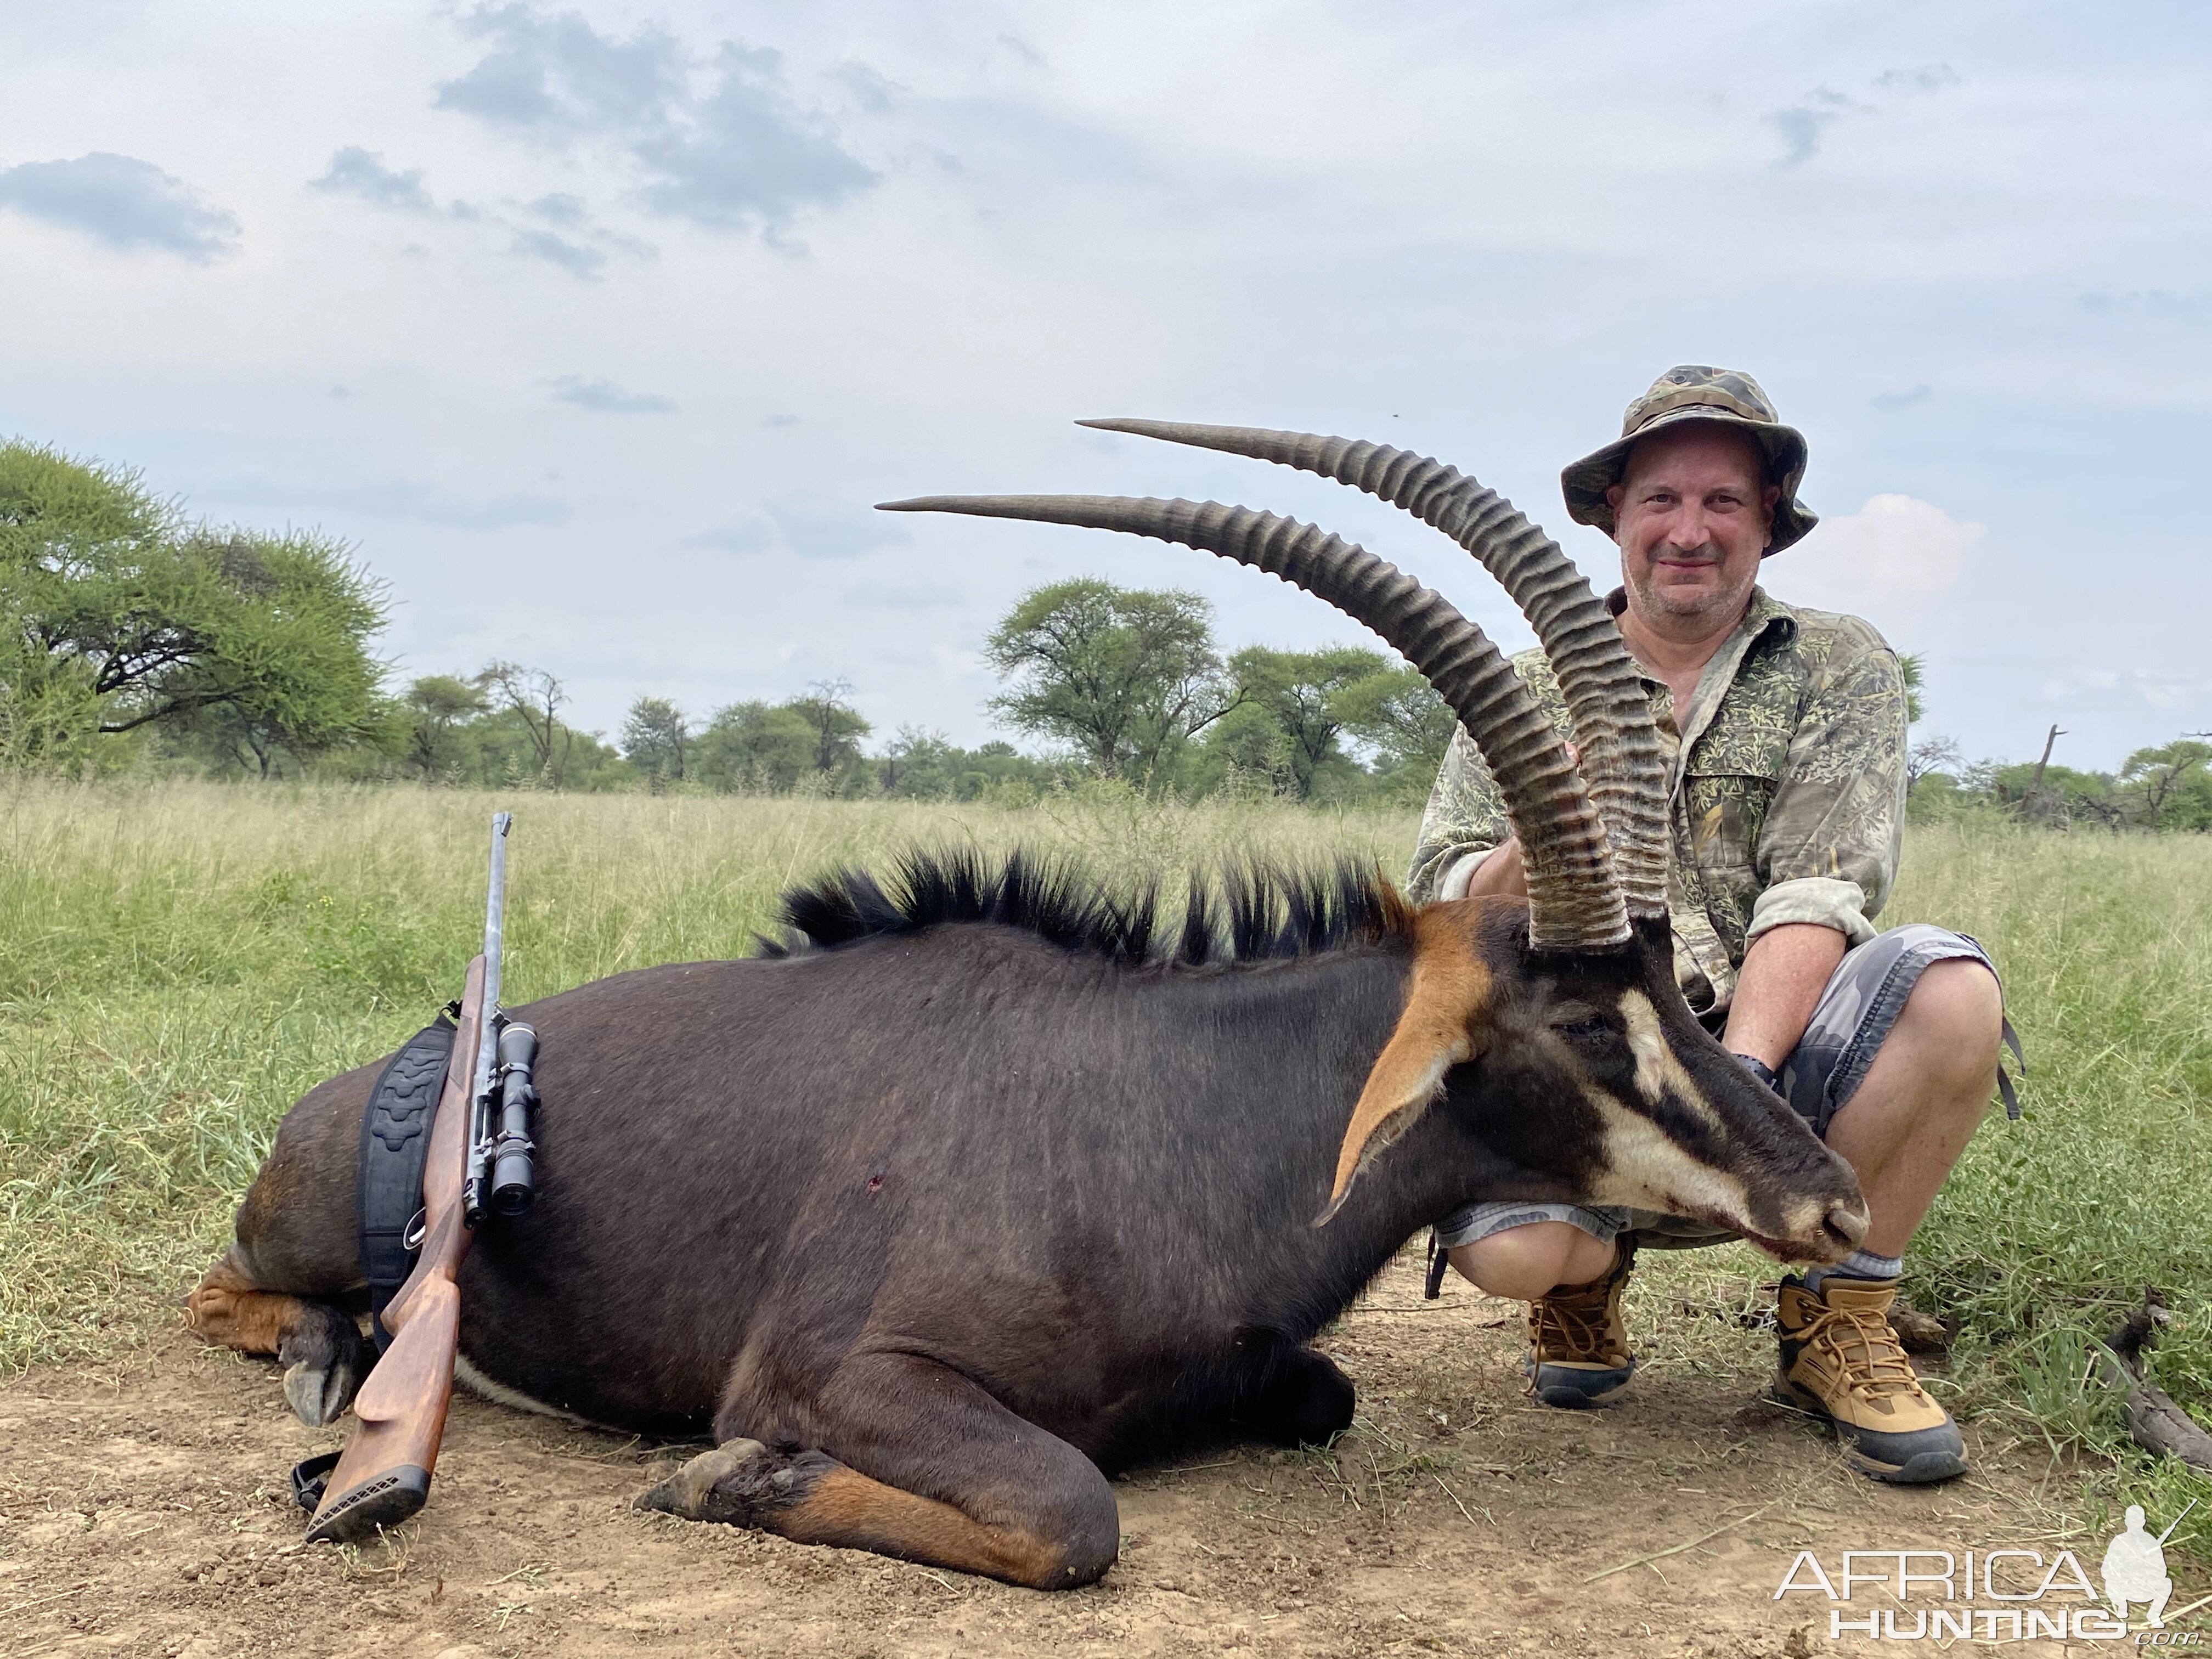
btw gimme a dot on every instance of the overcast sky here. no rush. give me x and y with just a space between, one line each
597 331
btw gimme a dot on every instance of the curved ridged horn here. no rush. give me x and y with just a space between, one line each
1574 902
1621 755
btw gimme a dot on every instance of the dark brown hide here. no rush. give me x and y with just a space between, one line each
979 1214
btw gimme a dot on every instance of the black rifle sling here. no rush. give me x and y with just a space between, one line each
395 1144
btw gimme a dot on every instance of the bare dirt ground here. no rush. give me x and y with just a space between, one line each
143 1512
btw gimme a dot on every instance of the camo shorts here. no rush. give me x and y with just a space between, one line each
1850 1023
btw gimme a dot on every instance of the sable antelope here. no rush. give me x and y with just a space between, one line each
974 1196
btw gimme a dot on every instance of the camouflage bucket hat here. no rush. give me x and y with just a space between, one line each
1693 391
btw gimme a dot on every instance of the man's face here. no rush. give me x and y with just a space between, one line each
1693 513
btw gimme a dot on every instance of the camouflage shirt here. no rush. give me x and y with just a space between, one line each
1787 782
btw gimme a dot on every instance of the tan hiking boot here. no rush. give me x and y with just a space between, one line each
1577 1345
1840 1358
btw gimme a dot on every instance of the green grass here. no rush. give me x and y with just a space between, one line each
177 962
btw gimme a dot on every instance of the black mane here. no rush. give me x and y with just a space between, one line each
1254 911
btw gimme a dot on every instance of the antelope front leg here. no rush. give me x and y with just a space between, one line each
958 1482
322 1351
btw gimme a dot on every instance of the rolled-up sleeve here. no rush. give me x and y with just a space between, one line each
1827 854
1464 819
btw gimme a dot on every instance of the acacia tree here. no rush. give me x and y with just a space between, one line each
116 614
534 697
1125 675
827 708
914 763
1288 715
1932 755
753 747
438 706
2162 772
1912 668
1398 715
656 734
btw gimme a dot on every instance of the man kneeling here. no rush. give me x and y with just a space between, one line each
1786 730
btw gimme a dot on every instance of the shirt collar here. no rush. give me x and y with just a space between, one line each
1763 617
1765 614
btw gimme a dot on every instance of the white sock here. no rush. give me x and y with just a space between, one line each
1859 1264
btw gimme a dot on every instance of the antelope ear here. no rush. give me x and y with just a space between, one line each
1435 1032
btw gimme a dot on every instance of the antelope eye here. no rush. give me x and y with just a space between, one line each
1590 1025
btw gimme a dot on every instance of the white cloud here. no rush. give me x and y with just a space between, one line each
734 152
1898 545
122 201
1459 229
605 397
953 663
572 256
810 527
2110 685
824 527
904 596
358 172
417 499
750 535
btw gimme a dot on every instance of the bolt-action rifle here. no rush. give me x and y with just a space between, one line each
479 1149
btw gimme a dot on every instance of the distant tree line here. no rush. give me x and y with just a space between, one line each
813 744
1120 682
131 634
2165 786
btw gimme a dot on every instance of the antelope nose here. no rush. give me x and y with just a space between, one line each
1848 1223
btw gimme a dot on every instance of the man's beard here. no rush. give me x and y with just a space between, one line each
1688 603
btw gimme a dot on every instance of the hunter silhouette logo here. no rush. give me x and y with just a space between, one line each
2011 1594
2135 1567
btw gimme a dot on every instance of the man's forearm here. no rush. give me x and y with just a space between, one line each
1784 974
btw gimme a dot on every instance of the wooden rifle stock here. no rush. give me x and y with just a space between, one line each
383 1474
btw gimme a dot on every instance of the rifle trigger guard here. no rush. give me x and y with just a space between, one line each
310 1478
416 1229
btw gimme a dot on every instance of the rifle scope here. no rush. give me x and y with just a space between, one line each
513 1177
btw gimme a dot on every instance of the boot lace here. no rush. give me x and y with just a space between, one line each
1573 1325
1865 1349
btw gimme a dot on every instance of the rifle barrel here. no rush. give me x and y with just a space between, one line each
2178 1520
495 925
480 1105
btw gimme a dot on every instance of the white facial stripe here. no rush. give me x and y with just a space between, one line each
1657 1070
1647 1171
1647 1043
1644 1155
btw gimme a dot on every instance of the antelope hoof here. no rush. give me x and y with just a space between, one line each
319 1394
697 1493
325 1359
